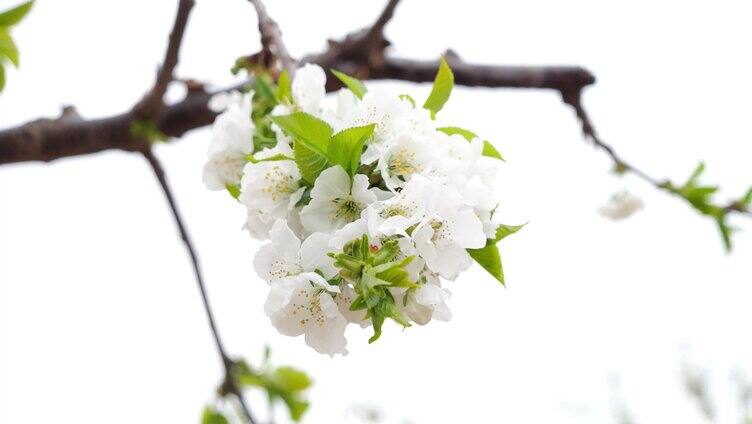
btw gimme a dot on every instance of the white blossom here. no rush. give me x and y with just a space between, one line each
308 88
447 230
303 304
335 201
270 189
621 205
232 141
286 256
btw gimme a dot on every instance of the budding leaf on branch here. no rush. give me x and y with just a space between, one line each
346 147
281 383
8 49
488 148
212 416
13 16
355 85
442 88
701 198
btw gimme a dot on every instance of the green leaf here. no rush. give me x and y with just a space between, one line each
2 77
311 136
310 162
291 379
233 189
284 88
305 127
295 406
8 47
264 88
346 146
725 232
378 322
212 416
502 231
692 181
489 258
13 16
442 88
355 85
488 148
747 199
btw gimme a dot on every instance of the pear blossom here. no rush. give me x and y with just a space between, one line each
308 88
406 156
335 200
232 140
270 189
427 302
621 205
448 229
384 224
286 256
303 304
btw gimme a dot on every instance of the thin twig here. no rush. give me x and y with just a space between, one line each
271 37
152 103
574 99
229 384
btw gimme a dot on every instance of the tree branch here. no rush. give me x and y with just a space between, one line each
229 385
271 37
152 103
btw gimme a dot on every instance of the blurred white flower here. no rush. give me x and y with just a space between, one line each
621 205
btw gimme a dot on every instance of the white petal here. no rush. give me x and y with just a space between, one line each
313 255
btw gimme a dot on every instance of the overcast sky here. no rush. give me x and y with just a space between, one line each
100 318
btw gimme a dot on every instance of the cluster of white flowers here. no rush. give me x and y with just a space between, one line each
368 205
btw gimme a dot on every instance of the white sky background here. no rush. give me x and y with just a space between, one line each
100 318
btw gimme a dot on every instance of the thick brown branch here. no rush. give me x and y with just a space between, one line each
271 37
229 384
152 103
47 140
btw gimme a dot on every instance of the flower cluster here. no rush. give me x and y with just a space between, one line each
367 203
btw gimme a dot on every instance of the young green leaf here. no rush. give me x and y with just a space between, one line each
291 379
8 47
355 85
302 126
311 162
263 86
13 16
284 88
442 88
488 148
212 416
489 258
233 189
502 231
2 77
346 146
